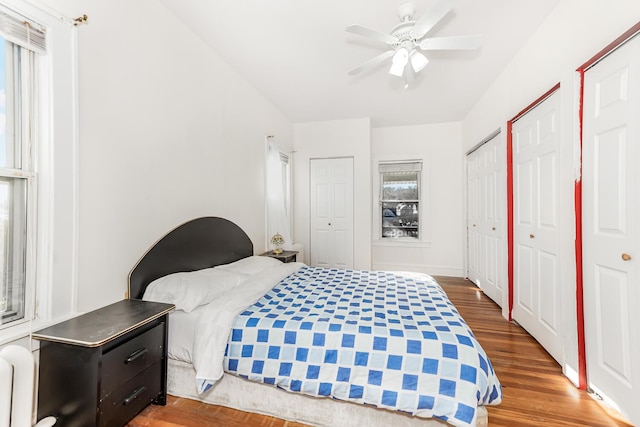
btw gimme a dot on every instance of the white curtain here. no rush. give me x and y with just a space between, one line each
277 194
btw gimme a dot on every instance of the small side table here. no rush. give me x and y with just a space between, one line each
103 367
285 256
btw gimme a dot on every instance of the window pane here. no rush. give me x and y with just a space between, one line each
13 216
400 199
3 105
10 101
400 185
400 219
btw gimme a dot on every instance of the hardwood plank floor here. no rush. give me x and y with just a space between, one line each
535 393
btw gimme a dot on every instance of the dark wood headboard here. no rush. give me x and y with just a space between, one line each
197 244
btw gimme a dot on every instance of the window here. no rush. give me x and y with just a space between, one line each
278 193
18 102
38 168
400 200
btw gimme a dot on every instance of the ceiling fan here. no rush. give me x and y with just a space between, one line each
407 40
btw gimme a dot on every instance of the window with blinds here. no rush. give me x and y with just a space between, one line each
22 41
400 199
22 31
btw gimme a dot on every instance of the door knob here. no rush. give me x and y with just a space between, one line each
329 223
493 228
531 236
626 257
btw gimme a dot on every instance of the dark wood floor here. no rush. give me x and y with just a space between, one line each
534 391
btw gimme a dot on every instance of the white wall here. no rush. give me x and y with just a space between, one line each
168 132
340 138
574 32
439 145
441 250
166 126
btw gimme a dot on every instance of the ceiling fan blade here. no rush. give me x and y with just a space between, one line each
376 60
371 33
452 43
432 17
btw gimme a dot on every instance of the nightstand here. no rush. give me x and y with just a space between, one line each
105 366
285 256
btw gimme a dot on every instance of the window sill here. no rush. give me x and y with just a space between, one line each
23 330
14 333
401 243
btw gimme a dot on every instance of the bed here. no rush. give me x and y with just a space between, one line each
319 346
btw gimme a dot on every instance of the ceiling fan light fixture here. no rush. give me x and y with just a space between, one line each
407 40
418 61
400 59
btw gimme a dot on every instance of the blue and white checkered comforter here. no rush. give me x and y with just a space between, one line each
391 340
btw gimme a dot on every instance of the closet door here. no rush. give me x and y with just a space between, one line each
331 212
536 143
475 195
486 189
611 227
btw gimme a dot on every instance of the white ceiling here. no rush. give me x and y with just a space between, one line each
297 54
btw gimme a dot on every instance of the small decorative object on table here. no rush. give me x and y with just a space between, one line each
277 240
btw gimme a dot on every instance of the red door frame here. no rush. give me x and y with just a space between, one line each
582 356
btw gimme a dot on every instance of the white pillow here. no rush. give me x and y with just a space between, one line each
188 290
250 265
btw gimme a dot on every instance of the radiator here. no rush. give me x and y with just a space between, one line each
17 382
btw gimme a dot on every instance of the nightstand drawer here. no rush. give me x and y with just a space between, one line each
131 397
132 357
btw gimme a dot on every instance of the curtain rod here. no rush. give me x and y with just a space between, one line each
54 13
81 20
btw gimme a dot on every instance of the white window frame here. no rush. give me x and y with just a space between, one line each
22 121
423 229
286 165
53 293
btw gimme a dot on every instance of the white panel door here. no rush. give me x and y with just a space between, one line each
331 213
475 193
536 293
611 227
486 191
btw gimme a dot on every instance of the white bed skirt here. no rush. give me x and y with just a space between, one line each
238 393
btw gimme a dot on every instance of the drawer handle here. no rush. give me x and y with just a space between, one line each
133 396
136 355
